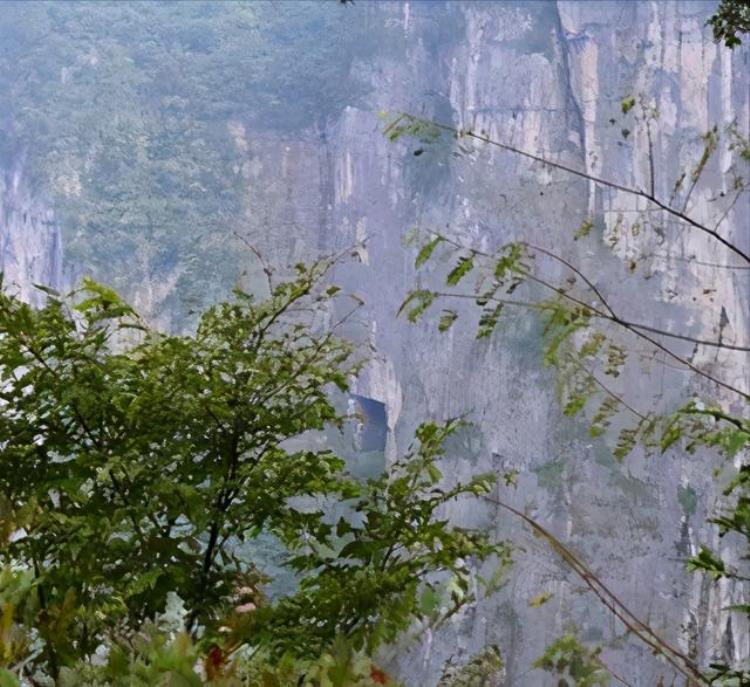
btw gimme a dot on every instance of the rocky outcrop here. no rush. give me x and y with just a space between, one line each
548 77
30 238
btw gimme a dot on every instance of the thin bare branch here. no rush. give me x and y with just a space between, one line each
650 197
652 176
729 207
610 314
695 261
606 389
682 663
266 268
574 269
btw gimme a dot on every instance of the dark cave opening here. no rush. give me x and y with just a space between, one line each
372 427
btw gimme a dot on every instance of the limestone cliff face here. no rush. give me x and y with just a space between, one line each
30 238
548 77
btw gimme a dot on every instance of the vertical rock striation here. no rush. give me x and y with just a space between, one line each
550 78
547 77
30 238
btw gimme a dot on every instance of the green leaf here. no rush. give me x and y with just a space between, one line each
736 442
446 320
540 599
585 229
429 601
592 346
7 679
427 250
488 321
626 441
707 561
417 301
464 265
627 104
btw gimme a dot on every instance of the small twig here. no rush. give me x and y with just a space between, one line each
695 261
617 677
266 268
652 177
729 208
650 197
673 656
573 268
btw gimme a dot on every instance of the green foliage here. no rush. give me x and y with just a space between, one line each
627 104
135 463
712 426
156 659
483 670
576 665
376 578
7 679
731 17
464 265
626 441
145 465
708 562
427 250
584 230
738 143
724 676
540 599
400 124
710 144
616 357
584 335
488 320
507 268
511 265
592 346
147 175
446 320
417 302
603 417
562 322
18 604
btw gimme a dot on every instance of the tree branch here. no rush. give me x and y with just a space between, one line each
650 197
676 658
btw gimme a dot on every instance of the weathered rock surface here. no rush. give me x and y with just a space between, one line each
548 77
30 238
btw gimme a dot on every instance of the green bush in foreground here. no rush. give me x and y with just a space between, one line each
134 463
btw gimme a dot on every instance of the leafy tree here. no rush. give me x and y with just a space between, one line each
732 17
134 463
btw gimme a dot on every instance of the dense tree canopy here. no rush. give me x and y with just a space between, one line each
130 472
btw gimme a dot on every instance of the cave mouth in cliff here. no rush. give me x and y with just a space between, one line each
372 423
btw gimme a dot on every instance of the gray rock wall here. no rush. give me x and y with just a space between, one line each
30 238
547 77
